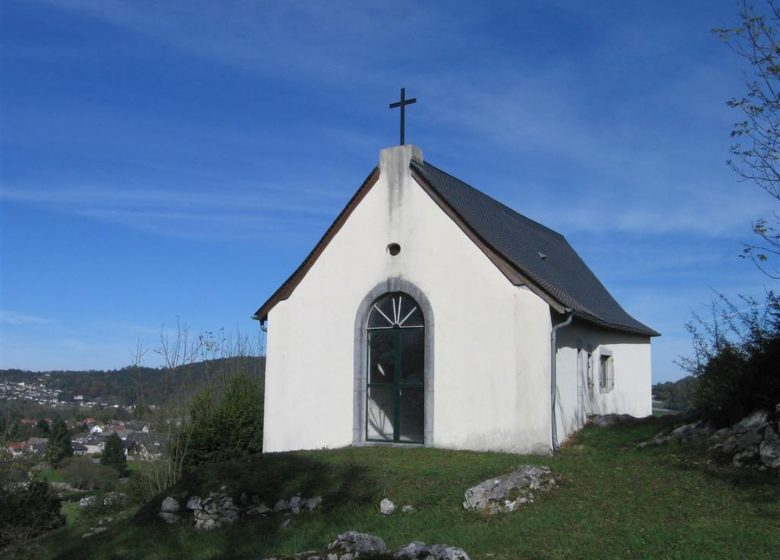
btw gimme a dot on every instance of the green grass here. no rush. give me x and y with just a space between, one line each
50 474
614 501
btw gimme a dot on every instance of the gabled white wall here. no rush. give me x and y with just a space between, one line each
491 339
631 393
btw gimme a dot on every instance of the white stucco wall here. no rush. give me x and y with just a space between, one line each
491 340
631 393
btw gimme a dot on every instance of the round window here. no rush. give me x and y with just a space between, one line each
394 249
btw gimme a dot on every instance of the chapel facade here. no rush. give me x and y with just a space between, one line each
431 314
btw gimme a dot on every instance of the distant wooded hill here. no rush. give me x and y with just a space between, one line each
129 385
676 395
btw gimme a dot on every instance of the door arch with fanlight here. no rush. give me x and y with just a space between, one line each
395 370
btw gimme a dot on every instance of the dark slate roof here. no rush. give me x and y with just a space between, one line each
539 253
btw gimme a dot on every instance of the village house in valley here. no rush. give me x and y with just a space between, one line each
429 313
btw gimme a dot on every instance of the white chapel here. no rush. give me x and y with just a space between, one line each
431 314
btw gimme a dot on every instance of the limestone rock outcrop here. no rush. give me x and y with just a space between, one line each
753 442
356 545
509 492
353 545
421 551
218 509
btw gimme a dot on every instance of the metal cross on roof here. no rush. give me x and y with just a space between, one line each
402 104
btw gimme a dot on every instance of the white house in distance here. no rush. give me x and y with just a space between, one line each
431 314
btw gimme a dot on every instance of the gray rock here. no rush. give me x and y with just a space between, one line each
386 506
420 551
769 449
94 531
444 552
407 509
194 502
313 503
206 522
169 505
727 447
295 504
168 517
507 493
356 545
751 422
752 442
745 458
415 550
87 501
215 511
211 506
359 546
281 505
115 499
682 434
262 509
285 523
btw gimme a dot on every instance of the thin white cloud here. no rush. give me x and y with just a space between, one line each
708 214
15 318
325 41
193 215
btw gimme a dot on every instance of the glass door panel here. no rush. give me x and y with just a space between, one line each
381 356
412 415
412 356
380 419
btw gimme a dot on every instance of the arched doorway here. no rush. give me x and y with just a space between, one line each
395 380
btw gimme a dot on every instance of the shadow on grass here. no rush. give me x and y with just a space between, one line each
760 489
269 478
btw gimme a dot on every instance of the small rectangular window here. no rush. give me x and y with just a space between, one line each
606 373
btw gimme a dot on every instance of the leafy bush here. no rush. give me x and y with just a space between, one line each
85 474
736 357
229 427
27 511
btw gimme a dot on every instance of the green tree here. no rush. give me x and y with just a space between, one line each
59 446
227 428
42 427
114 454
756 149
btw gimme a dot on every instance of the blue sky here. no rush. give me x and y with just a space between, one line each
165 160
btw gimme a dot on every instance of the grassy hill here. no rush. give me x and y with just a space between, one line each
614 501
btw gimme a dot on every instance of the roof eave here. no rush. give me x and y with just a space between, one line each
642 330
